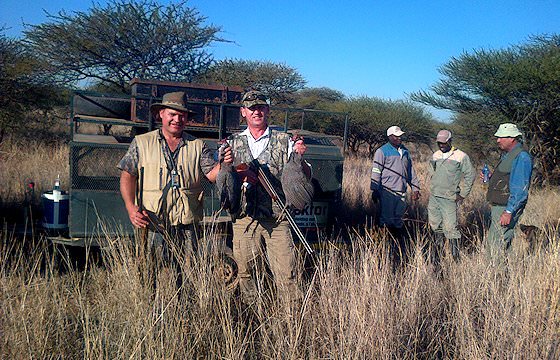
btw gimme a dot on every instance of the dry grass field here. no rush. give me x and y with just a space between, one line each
351 305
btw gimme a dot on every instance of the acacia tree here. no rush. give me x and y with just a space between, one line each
21 87
370 118
520 84
317 97
124 39
279 81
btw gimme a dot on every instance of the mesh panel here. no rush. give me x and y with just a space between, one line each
94 166
328 174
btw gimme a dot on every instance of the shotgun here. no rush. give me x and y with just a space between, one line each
267 185
143 231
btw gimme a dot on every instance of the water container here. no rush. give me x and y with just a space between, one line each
55 209
485 174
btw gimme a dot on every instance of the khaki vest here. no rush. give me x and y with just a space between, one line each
183 205
255 201
498 186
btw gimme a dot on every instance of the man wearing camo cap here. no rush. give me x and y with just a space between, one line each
260 229
447 168
508 190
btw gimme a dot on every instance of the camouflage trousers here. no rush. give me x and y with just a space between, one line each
269 240
174 248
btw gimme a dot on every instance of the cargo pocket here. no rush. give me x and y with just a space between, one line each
192 211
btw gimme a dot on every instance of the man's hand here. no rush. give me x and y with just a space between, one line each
247 174
375 196
225 154
415 195
299 146
505 218
481 175
459 199
137 218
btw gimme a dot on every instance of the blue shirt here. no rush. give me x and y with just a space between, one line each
519 181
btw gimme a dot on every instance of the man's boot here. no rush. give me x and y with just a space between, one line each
398 249
437 250
454 243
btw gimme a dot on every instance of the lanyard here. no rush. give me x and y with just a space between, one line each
168 155
171 161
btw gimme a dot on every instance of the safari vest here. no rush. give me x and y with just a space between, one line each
255 201
498 185
173 206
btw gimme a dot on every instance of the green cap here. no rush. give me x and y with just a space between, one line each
508 130
254 97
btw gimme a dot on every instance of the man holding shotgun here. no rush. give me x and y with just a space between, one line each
169 164
260 156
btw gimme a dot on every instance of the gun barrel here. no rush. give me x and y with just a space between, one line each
140 189
265 182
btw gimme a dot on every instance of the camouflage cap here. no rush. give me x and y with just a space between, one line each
254 97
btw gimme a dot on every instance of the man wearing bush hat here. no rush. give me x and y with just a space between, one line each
508 189
391 174
448 167
171 164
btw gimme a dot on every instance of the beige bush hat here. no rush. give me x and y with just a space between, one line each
394 130
508 130
172 100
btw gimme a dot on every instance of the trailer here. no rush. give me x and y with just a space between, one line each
103 125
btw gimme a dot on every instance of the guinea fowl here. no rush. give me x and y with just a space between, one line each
297 187
228 186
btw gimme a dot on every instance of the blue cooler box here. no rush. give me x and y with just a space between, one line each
55 209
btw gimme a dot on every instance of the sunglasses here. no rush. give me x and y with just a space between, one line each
253 97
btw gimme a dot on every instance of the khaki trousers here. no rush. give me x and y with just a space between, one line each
442 217
498 239
249 236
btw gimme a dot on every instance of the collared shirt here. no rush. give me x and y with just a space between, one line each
519 181
258 145
129 162
446 171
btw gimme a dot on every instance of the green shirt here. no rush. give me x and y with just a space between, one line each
446 172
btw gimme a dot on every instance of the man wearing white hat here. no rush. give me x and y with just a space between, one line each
391 174
508 189
448 167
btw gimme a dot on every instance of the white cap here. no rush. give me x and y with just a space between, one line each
394 130
443 136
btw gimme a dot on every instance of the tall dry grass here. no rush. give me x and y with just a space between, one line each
25 161
351 303
352 306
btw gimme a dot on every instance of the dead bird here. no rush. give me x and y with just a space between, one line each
228 185
297 187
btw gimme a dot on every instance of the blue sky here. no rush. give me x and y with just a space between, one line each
384 49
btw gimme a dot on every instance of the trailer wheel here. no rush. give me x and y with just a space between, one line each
225 270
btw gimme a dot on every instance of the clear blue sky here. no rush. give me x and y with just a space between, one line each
384 49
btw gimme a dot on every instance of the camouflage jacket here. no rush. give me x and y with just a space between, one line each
255 201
